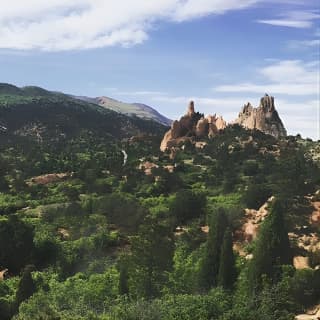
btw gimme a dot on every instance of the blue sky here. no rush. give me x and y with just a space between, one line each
221 53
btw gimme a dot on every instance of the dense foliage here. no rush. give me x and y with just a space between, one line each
104 240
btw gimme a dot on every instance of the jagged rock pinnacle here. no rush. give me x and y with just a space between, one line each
190 108
264 118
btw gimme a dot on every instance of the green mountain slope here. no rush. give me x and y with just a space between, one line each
33 111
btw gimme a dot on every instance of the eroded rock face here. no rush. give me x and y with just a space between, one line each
220 123
264 118
202 127
190 127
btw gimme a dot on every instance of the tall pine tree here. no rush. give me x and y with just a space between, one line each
272 249
152 253
210 265
227 271
26 286
123 275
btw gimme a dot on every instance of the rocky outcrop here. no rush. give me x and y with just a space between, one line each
264 118
193 126
190 127
147 167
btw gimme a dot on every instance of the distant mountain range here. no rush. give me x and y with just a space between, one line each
137 109
130 109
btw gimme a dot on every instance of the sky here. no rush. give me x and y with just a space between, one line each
220 53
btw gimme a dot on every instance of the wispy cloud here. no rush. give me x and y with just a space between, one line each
58 25
190 9
301 117
288 77
297 44
307 43
293 19
141 93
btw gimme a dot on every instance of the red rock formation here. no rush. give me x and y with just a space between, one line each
264 118
191 126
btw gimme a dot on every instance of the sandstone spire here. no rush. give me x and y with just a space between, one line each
264 118
190 112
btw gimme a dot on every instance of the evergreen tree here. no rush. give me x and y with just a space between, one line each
227 270
151 259
210 265
26 286
16 243
272 249
123 275
187 205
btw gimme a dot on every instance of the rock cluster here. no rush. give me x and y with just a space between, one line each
193 126
190 127
264 118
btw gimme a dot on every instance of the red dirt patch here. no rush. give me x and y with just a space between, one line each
48 178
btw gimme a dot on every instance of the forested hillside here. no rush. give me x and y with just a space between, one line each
97 223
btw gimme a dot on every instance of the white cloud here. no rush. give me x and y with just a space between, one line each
197 8
56 25
288 77
293 19
303 118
